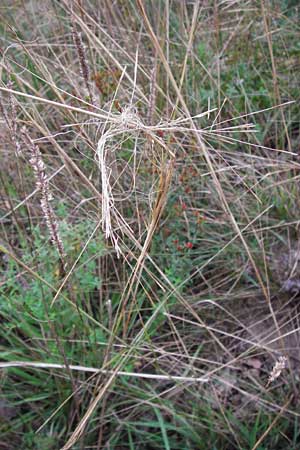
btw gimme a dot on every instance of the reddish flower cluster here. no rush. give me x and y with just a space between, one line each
188 245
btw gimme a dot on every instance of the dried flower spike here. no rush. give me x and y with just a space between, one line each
42 184
277 369
10 117
84 67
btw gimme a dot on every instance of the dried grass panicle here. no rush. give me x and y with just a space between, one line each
128 120
42 184
83 62
10 117
277 369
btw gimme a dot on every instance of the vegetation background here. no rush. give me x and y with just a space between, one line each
149 213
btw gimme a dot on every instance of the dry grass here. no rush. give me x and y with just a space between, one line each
157 315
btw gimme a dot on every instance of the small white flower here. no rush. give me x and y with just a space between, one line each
277 369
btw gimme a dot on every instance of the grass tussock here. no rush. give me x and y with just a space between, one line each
149 214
